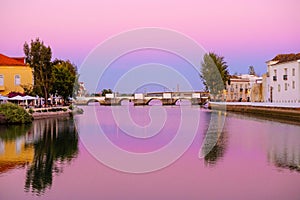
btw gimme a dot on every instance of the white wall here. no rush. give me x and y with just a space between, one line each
287 93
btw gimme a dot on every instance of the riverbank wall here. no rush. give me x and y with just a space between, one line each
47 115
285 112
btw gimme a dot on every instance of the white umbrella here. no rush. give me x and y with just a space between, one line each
27 97
17 98
3 98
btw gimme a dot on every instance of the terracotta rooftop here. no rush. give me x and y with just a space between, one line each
281 58
7 61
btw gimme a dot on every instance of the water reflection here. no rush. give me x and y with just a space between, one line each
217 152
215 141
282 139
284 152
45 147
14 150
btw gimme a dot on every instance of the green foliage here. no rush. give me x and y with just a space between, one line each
64 76
28 89
214 73
38 56
31 110
14 114
106 91
8 133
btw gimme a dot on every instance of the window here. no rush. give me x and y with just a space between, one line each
285 86
17 80
285 71
275 72
279 88
293 84
1 80
293 72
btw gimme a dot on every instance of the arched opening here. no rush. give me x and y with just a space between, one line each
154 102
126 102
93 102
183 102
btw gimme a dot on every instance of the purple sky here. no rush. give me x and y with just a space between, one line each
244 32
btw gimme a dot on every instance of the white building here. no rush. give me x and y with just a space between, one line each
240 88
284 79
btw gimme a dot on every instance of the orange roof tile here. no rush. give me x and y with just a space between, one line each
281 58
7 61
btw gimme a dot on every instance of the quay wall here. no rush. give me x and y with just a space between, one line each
277 112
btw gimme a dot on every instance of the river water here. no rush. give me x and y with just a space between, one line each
243 158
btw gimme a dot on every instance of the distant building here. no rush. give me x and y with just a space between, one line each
81 91
244 88
283 73
14 74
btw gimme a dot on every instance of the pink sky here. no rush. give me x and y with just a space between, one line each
244 32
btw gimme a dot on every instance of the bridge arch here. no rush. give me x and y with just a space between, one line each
154 99
124 100
183 98
92 101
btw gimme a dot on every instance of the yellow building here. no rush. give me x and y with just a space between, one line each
14 74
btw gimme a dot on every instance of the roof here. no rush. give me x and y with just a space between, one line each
281 58
7 61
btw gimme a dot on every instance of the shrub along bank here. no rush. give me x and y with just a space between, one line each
14 114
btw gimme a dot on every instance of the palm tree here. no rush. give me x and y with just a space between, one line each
214 73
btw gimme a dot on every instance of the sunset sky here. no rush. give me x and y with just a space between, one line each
244 32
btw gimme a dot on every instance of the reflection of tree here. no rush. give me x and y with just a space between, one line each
13 132
58 144
217 151
215 141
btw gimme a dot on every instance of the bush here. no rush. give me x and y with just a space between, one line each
31 110
71 107
14 114
64 109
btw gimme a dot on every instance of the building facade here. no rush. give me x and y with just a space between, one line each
14 75
284 79
237 89
244 88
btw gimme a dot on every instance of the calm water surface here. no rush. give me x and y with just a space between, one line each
252 159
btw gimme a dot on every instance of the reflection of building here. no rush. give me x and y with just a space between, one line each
284 79
14 153
284 151
14 73
244 88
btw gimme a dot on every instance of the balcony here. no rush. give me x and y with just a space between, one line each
285 77
274 78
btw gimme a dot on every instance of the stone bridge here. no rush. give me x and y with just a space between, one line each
166 98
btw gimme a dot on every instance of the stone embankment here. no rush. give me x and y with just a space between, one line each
277 111
45 113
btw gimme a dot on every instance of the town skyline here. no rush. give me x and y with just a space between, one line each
249 30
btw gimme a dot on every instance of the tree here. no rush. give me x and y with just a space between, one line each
251 70
64 76
38 56
214 73
106 91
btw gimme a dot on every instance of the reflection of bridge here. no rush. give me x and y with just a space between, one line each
166 98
